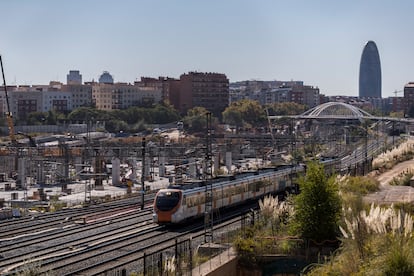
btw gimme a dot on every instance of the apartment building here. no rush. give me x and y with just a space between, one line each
269 92
161 83
106 96
208 90
305 95
81 94
409 96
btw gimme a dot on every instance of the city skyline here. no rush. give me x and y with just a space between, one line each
318 42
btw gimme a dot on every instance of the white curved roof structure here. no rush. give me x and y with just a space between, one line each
335 110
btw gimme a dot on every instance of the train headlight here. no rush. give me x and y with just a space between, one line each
155 218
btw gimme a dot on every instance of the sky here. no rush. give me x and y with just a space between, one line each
319 42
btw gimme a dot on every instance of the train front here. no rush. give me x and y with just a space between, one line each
167 206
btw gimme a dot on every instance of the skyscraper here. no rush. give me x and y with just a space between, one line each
370 72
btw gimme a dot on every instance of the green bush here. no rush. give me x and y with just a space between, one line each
361 185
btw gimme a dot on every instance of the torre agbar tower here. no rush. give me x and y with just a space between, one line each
370 72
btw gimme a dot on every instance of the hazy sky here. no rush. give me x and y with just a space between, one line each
318 42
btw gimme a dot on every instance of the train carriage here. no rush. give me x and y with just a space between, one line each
180 203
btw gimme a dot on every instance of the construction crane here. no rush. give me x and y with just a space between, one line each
398 91
9 116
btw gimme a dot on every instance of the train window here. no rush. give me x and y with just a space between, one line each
167 201
252 187
216 194
282 184
190 201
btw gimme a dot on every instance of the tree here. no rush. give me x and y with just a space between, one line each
318 206
165 113
86 114
245 112
233 117
196 121
288 108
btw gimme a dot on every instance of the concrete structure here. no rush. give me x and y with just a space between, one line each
370 72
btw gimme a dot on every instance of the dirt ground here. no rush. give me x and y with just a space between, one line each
393 194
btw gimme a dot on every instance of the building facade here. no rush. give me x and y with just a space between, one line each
81 94
208 90
370 72
106 78
107 96
409 97
161 83
270 92
74 77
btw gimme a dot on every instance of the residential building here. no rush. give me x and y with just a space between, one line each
409 97
161 83
81 94
269 92
305 95
208 90
397 104
107 96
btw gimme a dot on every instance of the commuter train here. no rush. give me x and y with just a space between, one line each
180 203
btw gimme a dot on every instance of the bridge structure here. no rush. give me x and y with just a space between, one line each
344 131
341 111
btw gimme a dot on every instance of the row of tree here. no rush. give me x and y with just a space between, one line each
240 114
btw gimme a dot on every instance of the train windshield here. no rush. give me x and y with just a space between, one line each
167 200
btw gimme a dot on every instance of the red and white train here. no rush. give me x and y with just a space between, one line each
180 203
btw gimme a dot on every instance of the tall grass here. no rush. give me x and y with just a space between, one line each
388 159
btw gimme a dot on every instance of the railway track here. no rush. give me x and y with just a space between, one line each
134 258
21 251
118 244
93 240
91 249
44 222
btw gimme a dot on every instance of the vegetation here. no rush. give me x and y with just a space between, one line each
289 108
196 120
284 225
133 119
268 234
387 160
318 206
375 242
359 185
403 179
245 113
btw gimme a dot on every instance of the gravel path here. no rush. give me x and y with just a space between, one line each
393 194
